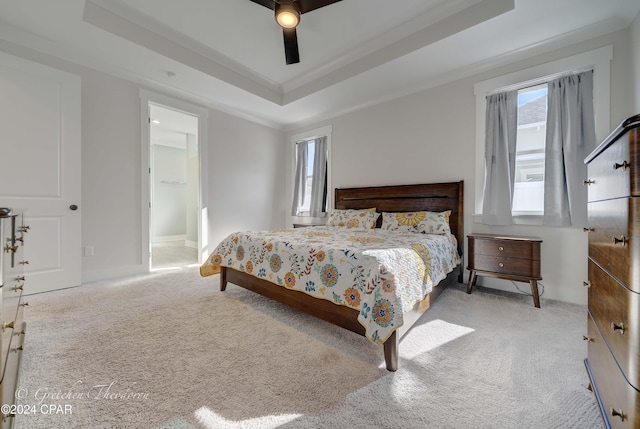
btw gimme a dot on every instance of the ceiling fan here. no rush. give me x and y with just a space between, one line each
287 14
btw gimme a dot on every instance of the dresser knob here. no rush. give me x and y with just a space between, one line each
588 339
587 229
501 248
586 284
622 240
589 182
8 248
618 413
6 325
501 265
624 165
617 327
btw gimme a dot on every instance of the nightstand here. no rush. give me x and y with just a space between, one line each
506 257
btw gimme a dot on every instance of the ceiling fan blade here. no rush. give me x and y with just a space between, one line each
266 3
291 45
309 5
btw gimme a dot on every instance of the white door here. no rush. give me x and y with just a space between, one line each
40 168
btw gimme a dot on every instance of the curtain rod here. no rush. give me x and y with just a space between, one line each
538 81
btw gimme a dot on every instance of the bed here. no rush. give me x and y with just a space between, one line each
355 299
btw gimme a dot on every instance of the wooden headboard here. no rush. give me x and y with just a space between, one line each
435 197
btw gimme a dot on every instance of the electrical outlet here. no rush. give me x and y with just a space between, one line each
88 250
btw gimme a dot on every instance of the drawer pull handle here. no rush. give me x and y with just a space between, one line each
25 304
24 262
8 248
6 326
17 349
622 240
615 327
24 228
588 339
589 182
624 165
618 413
587 229
501 248
586 284
17 288
20 278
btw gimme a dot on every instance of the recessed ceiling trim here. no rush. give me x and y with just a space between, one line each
460 21
118 25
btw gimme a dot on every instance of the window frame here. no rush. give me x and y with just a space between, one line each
306 136
599 60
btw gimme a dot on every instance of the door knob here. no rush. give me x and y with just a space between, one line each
73 207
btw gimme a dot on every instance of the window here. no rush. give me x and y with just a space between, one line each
528 191
305 207
311 173
531 85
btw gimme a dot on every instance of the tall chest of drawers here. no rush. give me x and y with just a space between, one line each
12 280
613 356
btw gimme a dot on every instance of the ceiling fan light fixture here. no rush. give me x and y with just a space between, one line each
287 15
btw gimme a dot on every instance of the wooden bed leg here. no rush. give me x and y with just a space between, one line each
391 352
223 279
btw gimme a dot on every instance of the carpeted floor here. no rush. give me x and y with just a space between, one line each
169 350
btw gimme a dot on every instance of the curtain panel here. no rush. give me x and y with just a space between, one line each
570 138
500 157
300 179
319 181
318 197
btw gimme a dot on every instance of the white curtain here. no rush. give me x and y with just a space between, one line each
319 182
318 197
302 153
570 138
500 157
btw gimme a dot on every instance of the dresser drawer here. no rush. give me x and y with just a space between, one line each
611 242
505 248
614 308
514 266
610 173
616 394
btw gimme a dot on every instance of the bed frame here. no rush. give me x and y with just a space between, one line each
404 198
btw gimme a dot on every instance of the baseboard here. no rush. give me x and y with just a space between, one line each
111 273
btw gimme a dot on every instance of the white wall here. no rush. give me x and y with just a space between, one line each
634 38
169 200
430 137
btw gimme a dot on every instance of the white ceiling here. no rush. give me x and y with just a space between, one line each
228 54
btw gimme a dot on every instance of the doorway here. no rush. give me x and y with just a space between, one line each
173 183
174 188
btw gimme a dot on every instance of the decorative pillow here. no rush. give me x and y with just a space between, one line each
423 222
354 219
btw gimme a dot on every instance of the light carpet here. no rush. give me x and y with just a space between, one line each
170 351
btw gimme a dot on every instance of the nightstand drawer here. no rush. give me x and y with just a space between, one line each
514 266
504 248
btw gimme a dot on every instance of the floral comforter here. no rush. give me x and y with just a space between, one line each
378 272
